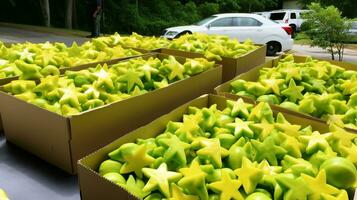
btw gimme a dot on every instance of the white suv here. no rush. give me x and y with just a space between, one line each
289 17
242 27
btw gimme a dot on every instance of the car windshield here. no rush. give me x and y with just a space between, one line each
202 22
277 16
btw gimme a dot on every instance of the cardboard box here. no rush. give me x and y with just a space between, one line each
253 75
4 81
231 66
64 140
93 186
76 68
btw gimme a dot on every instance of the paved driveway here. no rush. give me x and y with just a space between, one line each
15 35
349 56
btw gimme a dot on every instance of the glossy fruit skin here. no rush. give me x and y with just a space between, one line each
258 196
340 172
235 157
115 177
109 166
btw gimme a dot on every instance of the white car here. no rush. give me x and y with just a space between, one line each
260 30
289 17
353 30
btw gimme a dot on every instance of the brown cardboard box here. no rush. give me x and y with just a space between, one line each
77 68
231 66
93 186
4 81
253 75
64 140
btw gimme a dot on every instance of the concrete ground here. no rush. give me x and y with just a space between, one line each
350 55
16 35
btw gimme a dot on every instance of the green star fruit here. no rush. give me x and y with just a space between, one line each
293 92
175 155
239 108
290 106
256 88
132 78
227 187
268 150
29 71
160 179
297 166
19 86
297 189
271 99
50 70
306 105
261 112
92 103
135 187
211 151
193 180
135 158
238 85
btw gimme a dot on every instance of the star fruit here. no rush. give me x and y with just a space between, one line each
227 187
160 178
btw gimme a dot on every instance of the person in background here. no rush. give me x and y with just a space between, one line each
95 8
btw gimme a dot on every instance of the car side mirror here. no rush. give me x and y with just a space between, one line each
209 26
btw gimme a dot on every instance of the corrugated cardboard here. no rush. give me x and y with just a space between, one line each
77 68
4 81
63 140
231 66
93 186
253 75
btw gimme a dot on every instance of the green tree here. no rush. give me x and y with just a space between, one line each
327 28
348 7
257 5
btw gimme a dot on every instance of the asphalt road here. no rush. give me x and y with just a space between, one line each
349 55
15 35
24 176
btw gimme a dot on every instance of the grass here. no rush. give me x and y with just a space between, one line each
302 39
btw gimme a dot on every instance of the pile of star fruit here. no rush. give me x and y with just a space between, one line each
34 61
137 41
83 90
241 152
214 47
316 88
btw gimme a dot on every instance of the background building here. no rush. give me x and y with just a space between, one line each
291 4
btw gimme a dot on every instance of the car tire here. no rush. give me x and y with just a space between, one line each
183 33
273 48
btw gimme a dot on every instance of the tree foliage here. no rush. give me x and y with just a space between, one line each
327 28
143 16
348 7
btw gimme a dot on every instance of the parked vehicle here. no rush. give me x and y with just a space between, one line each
353 30
290 17
260 30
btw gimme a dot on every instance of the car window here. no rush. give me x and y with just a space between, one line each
245 21
277 16
292 15
202 22
222 22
